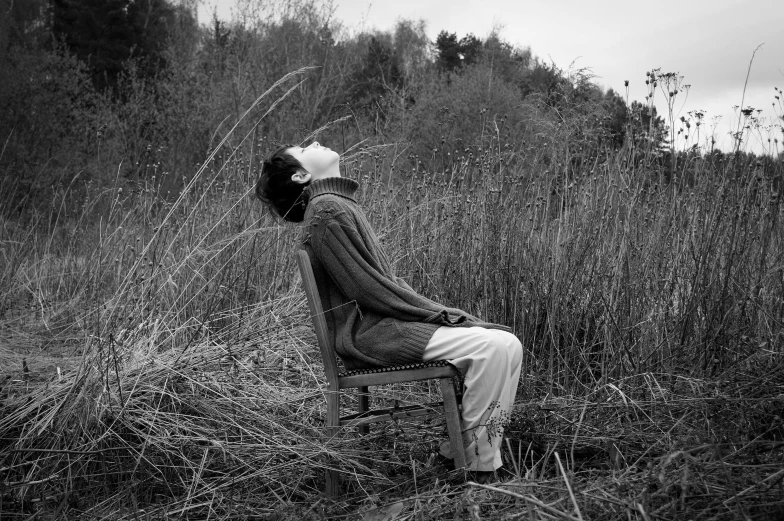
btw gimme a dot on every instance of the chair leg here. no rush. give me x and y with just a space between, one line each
364 405
453 424
333 427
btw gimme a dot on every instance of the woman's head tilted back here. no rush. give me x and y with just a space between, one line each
276 187
286 174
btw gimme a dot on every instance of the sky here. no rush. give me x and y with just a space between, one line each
709 42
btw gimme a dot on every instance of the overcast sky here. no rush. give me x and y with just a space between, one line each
709 42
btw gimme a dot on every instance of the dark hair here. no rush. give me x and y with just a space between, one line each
276 189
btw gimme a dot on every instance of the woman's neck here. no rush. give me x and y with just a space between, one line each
341 186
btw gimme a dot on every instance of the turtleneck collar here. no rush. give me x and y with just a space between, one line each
341 186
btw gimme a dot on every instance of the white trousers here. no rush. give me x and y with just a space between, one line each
490 361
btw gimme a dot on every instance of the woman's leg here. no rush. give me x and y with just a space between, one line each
490 361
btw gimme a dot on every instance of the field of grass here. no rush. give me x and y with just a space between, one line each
157 359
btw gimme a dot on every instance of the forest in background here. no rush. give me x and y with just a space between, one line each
93 90
156 355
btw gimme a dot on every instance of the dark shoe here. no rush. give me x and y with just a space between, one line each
488 477
482 477
445 462
505 475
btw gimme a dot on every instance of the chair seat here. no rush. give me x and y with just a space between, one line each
399 374
373 370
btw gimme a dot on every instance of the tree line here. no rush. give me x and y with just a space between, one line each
93 84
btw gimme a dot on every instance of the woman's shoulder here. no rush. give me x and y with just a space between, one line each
326 210
329 206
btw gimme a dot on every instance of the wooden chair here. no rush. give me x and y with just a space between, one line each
363 378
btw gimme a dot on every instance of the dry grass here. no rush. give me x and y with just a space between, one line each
157 359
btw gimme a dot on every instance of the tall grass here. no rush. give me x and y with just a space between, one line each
157 355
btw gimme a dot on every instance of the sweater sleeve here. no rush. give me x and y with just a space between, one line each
402 283
453 311
341 251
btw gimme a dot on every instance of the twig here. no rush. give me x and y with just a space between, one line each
568 487
743 97
65 451
577 430
642 511
528 499
748 489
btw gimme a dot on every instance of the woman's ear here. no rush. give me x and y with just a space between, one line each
301 177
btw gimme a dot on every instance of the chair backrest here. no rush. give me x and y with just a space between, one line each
317 315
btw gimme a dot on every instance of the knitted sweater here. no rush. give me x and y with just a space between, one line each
374 317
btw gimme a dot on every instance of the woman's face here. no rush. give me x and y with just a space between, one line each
318 161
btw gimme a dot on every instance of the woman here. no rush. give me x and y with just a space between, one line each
376 318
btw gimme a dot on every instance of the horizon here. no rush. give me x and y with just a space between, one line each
731 32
